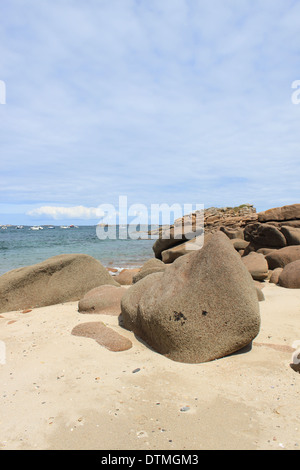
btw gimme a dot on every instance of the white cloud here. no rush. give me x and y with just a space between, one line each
76 212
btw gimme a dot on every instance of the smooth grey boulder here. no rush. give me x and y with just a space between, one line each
257 266
104 300
292 235
62 278
283 213
264 236
290 276
280 258
204 306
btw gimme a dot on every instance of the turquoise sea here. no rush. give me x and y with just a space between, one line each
23 246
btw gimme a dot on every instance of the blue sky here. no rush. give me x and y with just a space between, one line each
162 101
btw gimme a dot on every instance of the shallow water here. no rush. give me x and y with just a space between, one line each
24 247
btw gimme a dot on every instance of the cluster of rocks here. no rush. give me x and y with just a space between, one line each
188 310
190 232
190 304
66 278
265 240
275 228
232 219
275 237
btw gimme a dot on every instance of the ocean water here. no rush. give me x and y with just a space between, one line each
24 247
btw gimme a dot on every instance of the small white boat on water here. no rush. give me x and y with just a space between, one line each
36 228
64 226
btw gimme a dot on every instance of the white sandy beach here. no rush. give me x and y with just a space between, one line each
59 391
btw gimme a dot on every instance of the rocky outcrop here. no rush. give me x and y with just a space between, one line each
202 307
275 228
230 220
272 236
63 278
269 230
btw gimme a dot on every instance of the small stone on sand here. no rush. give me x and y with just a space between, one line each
104 336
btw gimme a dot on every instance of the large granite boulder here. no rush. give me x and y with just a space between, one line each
280 258
59 279
257 266
290 276
264 236
283 213
202 307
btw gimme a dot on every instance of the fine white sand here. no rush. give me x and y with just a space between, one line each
59 391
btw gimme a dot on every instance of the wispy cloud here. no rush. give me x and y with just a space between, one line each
172 101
